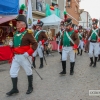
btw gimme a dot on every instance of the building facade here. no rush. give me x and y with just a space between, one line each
86 20
39 7
72 7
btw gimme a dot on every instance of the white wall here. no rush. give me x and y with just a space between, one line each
84 20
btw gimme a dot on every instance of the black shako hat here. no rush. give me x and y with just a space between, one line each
94 21
68 21
22 18
80 27
62 22
39 23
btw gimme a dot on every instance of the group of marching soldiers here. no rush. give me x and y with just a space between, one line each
72 40
26 45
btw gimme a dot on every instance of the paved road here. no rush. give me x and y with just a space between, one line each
53 86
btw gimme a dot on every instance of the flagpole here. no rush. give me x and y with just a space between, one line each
29 14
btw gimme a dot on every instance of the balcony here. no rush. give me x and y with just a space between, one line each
38 8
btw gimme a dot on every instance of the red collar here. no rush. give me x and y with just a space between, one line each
22 30
70 29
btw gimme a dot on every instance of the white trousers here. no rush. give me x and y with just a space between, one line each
66 51
39 50
93 47
59 46
20 61
99 48
81 44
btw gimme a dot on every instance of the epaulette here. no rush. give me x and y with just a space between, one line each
30 31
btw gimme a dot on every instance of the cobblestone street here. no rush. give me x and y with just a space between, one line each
53 86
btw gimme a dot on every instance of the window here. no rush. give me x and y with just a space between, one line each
40 5
69 3
54 1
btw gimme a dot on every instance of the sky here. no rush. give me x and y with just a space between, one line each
92 6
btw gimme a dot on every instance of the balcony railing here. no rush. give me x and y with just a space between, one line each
40 6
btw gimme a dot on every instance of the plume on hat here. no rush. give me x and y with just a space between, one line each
22 8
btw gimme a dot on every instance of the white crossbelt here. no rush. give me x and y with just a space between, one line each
94 31
69 38
60 33
79 35
39 32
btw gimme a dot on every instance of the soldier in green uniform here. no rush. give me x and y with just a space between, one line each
41 38
93 37
69 42
58 36
23 45
81 43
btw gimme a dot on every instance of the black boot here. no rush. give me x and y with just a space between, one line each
34 63
91 59
61 55
63 67
72 64
78 51
95 61
30 86
47 52
81 52
14 90
99 57
41 63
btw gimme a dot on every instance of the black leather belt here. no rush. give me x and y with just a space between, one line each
93 41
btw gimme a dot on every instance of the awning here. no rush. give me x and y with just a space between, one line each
4 19
9 7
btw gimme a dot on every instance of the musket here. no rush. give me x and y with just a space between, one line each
44 56
35 70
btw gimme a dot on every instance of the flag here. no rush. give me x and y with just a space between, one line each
52 8
29 14
48 12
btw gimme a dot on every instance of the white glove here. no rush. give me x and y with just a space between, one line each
40 43
10 43
42 47
26 55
